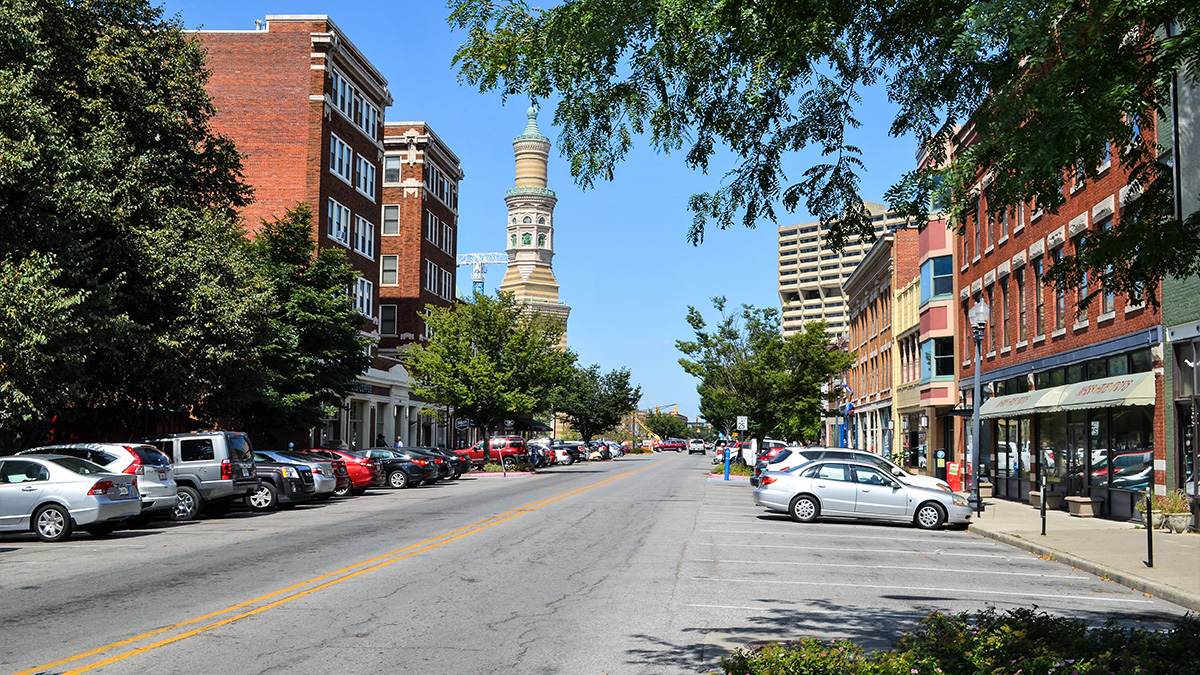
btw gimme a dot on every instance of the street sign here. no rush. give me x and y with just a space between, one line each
742 422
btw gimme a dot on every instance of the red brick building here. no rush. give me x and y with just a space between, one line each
305 107
1071 395
419 231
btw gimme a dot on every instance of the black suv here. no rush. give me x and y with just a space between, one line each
283 484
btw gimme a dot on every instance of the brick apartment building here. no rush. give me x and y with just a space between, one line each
306 108
1072 395
420 231
868 292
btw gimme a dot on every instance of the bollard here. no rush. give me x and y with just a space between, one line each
1149 530
727 453
1043 504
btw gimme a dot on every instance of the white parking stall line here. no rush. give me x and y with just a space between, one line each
906 568
858 550
956 592
808 611
857 537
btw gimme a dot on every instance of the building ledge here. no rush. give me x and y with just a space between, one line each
1039 339
1107 316
1080 326
1059 333
1022 344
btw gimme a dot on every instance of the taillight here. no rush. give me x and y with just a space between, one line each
767 480
318 470
226 470
136 468
101 487
419 462
439 461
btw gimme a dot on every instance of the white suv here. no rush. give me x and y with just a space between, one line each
696 445
154 471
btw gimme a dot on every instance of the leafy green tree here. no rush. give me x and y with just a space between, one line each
1047 86
312 347
490 359
108 162
594 402
746 367
666 425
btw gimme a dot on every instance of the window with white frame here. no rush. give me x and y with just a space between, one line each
447 238
368 117
445 290
387 319
431 276
389 270
391 169
364 296
341 159
391 219
338 227
431 227
343 94
364 237
365 174
441 186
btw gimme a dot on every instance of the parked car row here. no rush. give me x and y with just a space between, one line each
99 487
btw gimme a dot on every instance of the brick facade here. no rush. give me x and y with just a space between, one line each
415 156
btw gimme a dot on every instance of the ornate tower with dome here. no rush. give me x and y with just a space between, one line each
530 233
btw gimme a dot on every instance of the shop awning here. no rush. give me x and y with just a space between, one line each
1110 392
1028 403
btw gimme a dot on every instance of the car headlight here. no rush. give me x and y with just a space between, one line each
943 486
959 501
290 472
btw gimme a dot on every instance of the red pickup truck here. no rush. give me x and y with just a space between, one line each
509 449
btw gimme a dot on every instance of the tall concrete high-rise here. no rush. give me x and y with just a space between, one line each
530 233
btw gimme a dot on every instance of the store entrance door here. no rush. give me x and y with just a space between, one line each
1077 444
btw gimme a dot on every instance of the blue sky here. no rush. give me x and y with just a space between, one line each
621 254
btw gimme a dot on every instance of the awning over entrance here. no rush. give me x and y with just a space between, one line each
1110 392
1028 403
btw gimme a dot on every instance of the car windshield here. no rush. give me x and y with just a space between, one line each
79 466
150 456
239 448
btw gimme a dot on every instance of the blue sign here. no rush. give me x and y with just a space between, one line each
941 454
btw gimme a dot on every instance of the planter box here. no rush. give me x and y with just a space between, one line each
1084 507
1178 523
1054 500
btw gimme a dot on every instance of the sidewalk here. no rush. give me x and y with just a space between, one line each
1107 548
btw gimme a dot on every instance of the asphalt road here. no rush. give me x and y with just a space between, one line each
640 565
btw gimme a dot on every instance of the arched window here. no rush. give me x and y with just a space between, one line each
514 241
526 239
514 221
542 220
541 241
527 220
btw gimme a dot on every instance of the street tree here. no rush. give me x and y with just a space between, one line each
746 367
666 425
108 162
311 347
490 359
594 402
1050 87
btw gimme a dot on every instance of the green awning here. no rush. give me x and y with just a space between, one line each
1110 392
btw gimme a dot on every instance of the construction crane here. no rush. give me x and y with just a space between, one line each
478 260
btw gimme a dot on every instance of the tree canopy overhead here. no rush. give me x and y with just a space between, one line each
1047 85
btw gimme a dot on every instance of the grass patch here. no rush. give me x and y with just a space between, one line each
1014 642
734 470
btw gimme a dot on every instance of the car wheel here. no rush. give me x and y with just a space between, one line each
568 461
342 491
187 506
929 516
101 529
358 491
804 509
398 480
509 463
52 523
265 498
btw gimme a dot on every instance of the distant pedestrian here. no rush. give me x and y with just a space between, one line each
380 441
399 443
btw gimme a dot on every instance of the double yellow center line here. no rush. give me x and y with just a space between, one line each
283 596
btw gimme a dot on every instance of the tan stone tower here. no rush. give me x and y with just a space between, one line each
530 235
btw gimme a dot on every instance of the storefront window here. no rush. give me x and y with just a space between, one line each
1052 446
1098 443
1132 457
1058 377
1005 447
1024 440
1185 371
1075 373
1141 361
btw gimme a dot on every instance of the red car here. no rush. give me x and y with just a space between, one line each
510 448
364 471
676 444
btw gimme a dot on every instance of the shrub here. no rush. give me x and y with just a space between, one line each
1015 642
1175 501
734 470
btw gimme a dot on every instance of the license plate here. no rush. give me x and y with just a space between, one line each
123 490
162 475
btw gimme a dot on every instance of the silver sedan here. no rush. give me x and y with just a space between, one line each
849 489
52 494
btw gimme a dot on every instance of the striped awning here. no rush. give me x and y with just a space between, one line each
1028 403
1110 392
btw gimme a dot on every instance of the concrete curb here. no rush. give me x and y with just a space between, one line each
481 474
721 477
1133 581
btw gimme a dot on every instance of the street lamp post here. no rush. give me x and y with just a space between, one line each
978 316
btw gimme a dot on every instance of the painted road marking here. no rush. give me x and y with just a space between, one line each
862 550
294 592
898 567
953 592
